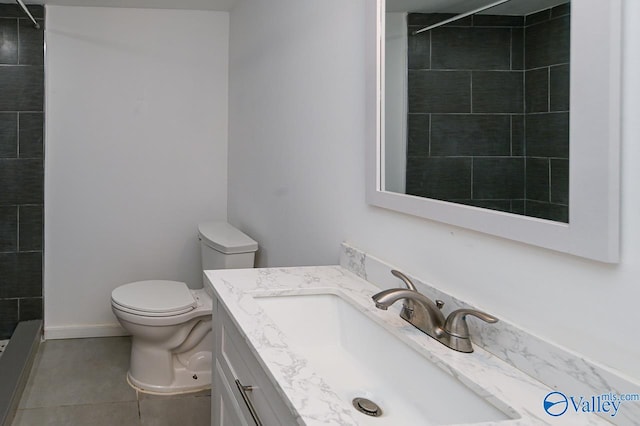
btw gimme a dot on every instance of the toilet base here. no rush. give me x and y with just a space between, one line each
184 381
144 388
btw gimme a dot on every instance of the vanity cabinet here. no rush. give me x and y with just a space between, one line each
237 372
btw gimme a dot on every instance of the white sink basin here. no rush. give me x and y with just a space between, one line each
359 358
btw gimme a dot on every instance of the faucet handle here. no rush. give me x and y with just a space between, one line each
404 279
456 324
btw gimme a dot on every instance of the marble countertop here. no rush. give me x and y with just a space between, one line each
311 399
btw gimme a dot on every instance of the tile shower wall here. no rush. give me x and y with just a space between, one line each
482 118
21 166
547 42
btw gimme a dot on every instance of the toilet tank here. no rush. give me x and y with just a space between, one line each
224 247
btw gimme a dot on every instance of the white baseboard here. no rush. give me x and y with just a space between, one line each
81 332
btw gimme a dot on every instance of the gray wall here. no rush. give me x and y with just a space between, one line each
482 129
21 166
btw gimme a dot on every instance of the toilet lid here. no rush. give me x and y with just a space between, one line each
155 297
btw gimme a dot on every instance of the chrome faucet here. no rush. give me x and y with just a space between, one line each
426 315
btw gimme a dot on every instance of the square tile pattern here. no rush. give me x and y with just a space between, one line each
82 382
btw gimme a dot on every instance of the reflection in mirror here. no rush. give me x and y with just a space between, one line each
477 110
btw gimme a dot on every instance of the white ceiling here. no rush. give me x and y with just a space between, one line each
513 7
220 5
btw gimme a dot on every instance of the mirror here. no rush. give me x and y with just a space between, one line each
477 109
475 119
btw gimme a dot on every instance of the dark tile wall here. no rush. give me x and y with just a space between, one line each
21 166
487 119
547 42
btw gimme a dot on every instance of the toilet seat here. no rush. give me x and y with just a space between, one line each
154 298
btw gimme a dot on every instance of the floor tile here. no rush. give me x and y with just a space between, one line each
179 411
121 414
79 371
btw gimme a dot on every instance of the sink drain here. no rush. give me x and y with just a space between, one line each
367 407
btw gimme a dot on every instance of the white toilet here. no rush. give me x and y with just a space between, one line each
170 323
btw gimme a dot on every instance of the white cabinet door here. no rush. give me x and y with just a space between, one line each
235 361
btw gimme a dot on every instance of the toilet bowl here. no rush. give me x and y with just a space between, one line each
171 330
170 323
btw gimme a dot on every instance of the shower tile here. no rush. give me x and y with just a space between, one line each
439 91
9 273
500 205
31 49
425 19
80 371
466 134
537 183
560 181
31 228
497 92
15 11
22 181
21 275
8 317
498 21
537 17
501 178
29 271
517 135
8 134
121 414
31 135
22 88
561 10
471 48
419 50
547 135
537 90
547 43
30 308
440 178
517 206
559 85
29 274
517 48
418 134
8 229
548 211
8 41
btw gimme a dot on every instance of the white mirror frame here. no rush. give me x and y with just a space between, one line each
594 131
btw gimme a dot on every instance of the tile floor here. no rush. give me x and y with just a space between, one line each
82 382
